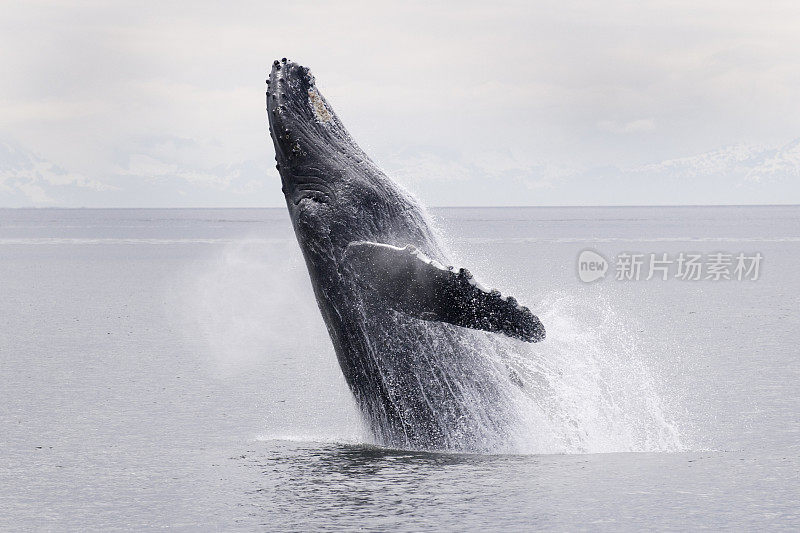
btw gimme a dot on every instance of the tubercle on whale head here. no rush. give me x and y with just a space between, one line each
294 105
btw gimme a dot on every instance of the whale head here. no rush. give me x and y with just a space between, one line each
334 192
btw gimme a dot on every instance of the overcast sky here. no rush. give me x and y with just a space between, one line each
138 104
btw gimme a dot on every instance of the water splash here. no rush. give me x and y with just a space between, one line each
239 300
249 311
592 386
589 387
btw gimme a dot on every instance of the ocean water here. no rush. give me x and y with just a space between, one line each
169 369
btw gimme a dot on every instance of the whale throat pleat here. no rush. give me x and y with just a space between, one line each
406 280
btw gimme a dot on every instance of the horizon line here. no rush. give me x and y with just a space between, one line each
528 206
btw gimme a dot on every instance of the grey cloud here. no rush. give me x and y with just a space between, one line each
560 87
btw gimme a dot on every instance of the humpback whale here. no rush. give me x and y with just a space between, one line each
408 330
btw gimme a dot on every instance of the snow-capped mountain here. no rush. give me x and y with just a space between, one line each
27 179
738 174
737 163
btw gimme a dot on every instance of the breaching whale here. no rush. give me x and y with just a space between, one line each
408 331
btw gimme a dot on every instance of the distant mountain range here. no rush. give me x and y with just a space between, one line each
738 174
741 162
27 179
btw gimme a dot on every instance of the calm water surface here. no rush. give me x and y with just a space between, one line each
169 368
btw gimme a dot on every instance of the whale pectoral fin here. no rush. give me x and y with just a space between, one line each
406 280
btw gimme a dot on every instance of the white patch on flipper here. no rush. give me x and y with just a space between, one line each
477 285
408 248
424 258
372 243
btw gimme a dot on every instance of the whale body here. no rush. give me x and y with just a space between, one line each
409 331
